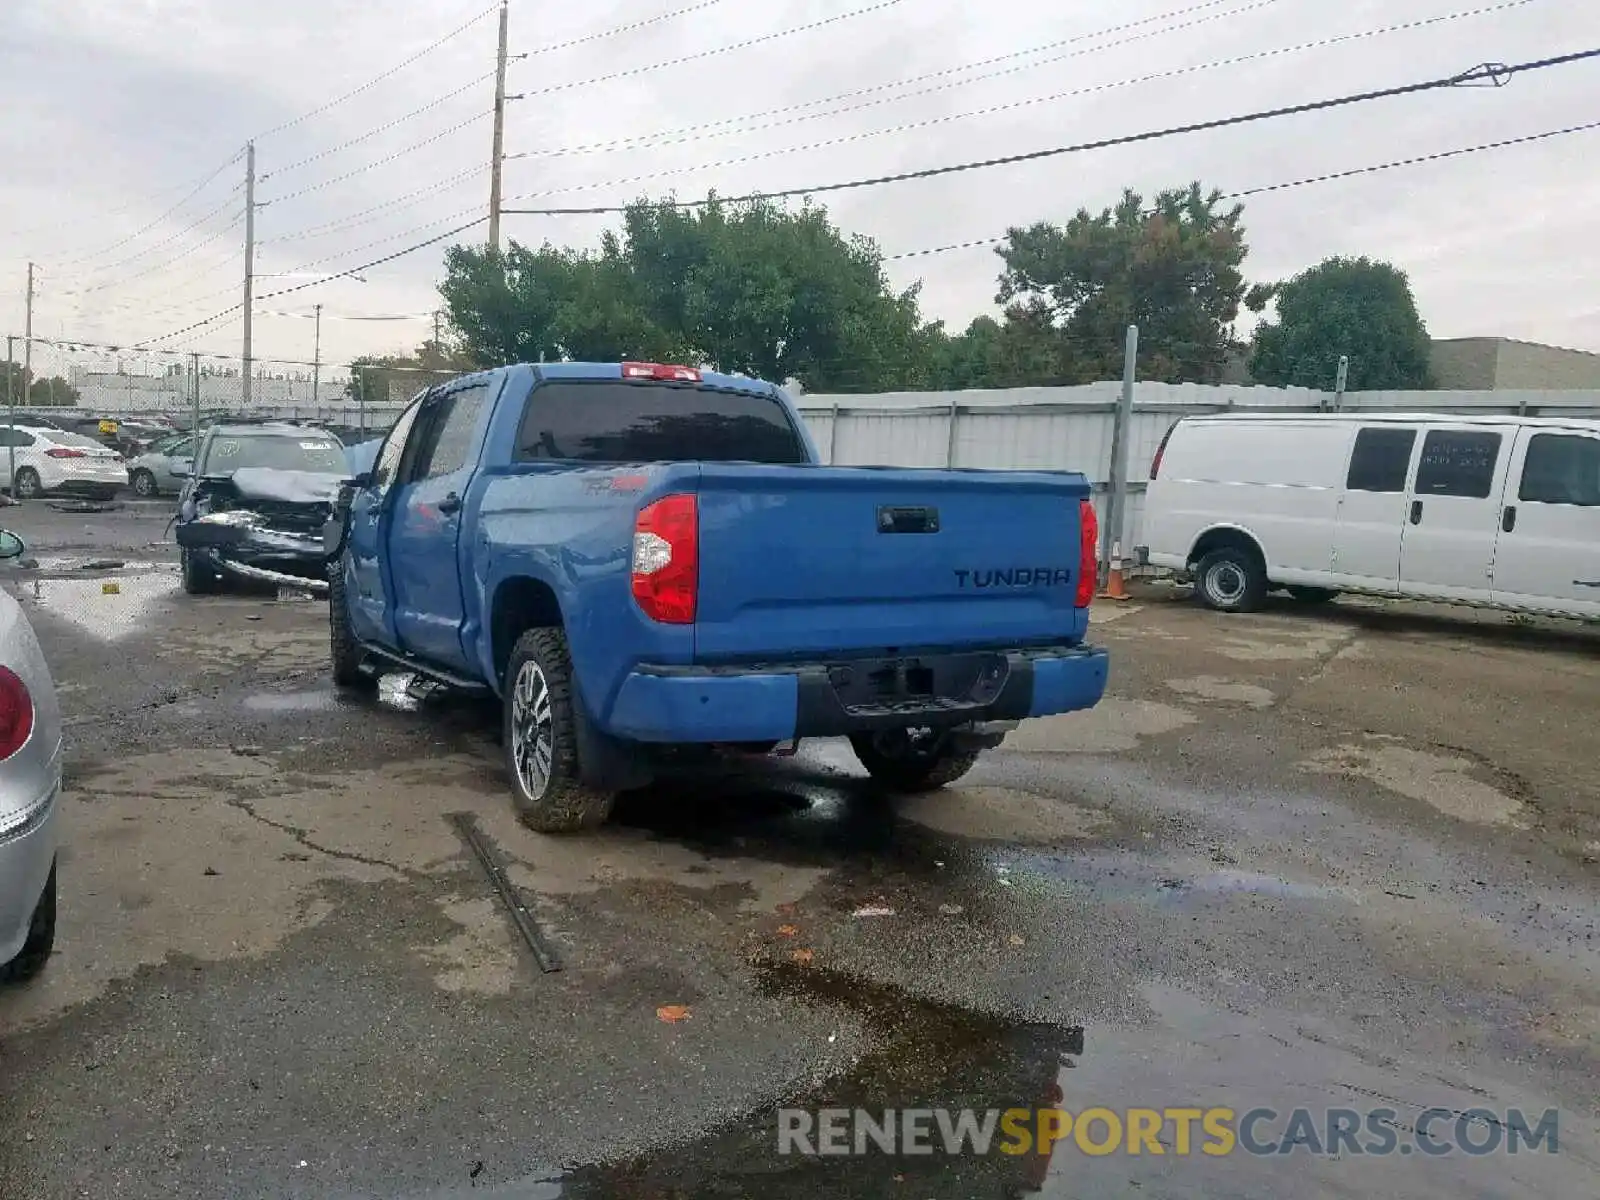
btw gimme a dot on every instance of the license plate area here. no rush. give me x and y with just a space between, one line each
918 682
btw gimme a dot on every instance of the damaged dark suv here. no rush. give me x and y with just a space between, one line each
254 505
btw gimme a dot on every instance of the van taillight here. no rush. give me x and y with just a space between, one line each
665 571
1088 553
1155 463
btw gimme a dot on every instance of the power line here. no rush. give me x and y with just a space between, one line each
628 28
389 158
1372 169
377 79
375 131
1497 74
144 229
1011 106
363 216
1214 64
147 343
680 59
160 266
709 128
192 227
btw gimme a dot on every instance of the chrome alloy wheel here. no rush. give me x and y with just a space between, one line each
533 736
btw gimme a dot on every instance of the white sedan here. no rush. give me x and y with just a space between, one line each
30 788
51 461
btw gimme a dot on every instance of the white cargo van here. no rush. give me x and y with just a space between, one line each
1495 511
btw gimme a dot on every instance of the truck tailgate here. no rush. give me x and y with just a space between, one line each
806 561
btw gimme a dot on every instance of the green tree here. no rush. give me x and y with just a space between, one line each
748 287
43 393
1023 349
1173 268
1353 307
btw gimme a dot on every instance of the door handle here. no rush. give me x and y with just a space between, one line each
1508 520
450 505
1416 512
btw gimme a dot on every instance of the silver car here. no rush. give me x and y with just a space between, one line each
151 473
30 787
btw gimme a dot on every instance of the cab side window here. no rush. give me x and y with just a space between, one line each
387 464
1561 469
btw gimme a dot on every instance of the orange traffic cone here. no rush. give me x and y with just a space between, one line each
1114 588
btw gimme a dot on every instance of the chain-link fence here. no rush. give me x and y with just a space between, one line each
82 384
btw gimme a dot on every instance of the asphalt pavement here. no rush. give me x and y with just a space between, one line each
1338 860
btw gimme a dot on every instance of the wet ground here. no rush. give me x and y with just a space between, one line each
1338 860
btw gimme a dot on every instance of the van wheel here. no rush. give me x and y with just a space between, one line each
912 760
41 941
1311 595
541 739
1231 580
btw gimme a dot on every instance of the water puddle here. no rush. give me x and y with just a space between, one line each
1118 875
277 703
107 607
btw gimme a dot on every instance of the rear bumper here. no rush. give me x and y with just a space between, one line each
791 701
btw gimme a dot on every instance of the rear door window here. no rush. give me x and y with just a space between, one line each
1380 460
612 421
1458 462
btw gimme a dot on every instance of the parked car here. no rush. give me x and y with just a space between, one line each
254 504
30 788
637 557
150 474
1502 512
50 462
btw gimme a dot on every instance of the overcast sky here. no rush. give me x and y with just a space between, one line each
117 109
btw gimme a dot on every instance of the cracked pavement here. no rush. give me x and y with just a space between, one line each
1337 858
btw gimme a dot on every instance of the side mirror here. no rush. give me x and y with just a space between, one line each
360 481
181 468
11 546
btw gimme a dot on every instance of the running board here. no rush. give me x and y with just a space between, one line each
407 662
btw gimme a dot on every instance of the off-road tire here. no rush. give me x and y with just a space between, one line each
566 805
911 773
1230 580
199 579
1311 595
26 485
344 651
143 484
41 943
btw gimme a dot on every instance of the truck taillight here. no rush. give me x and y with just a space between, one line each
1088 553
665 571
16 713
1155 463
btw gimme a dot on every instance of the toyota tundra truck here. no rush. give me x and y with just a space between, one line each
640 560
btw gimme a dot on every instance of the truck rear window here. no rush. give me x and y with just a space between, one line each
640 422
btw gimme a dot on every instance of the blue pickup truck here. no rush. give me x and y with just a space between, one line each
639 559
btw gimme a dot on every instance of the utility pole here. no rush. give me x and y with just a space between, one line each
316 360
498 153
11 415
27 338
1121 431
249 263
195 359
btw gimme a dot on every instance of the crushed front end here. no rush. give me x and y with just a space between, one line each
261 525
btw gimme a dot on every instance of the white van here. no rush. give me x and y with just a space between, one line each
1495 511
